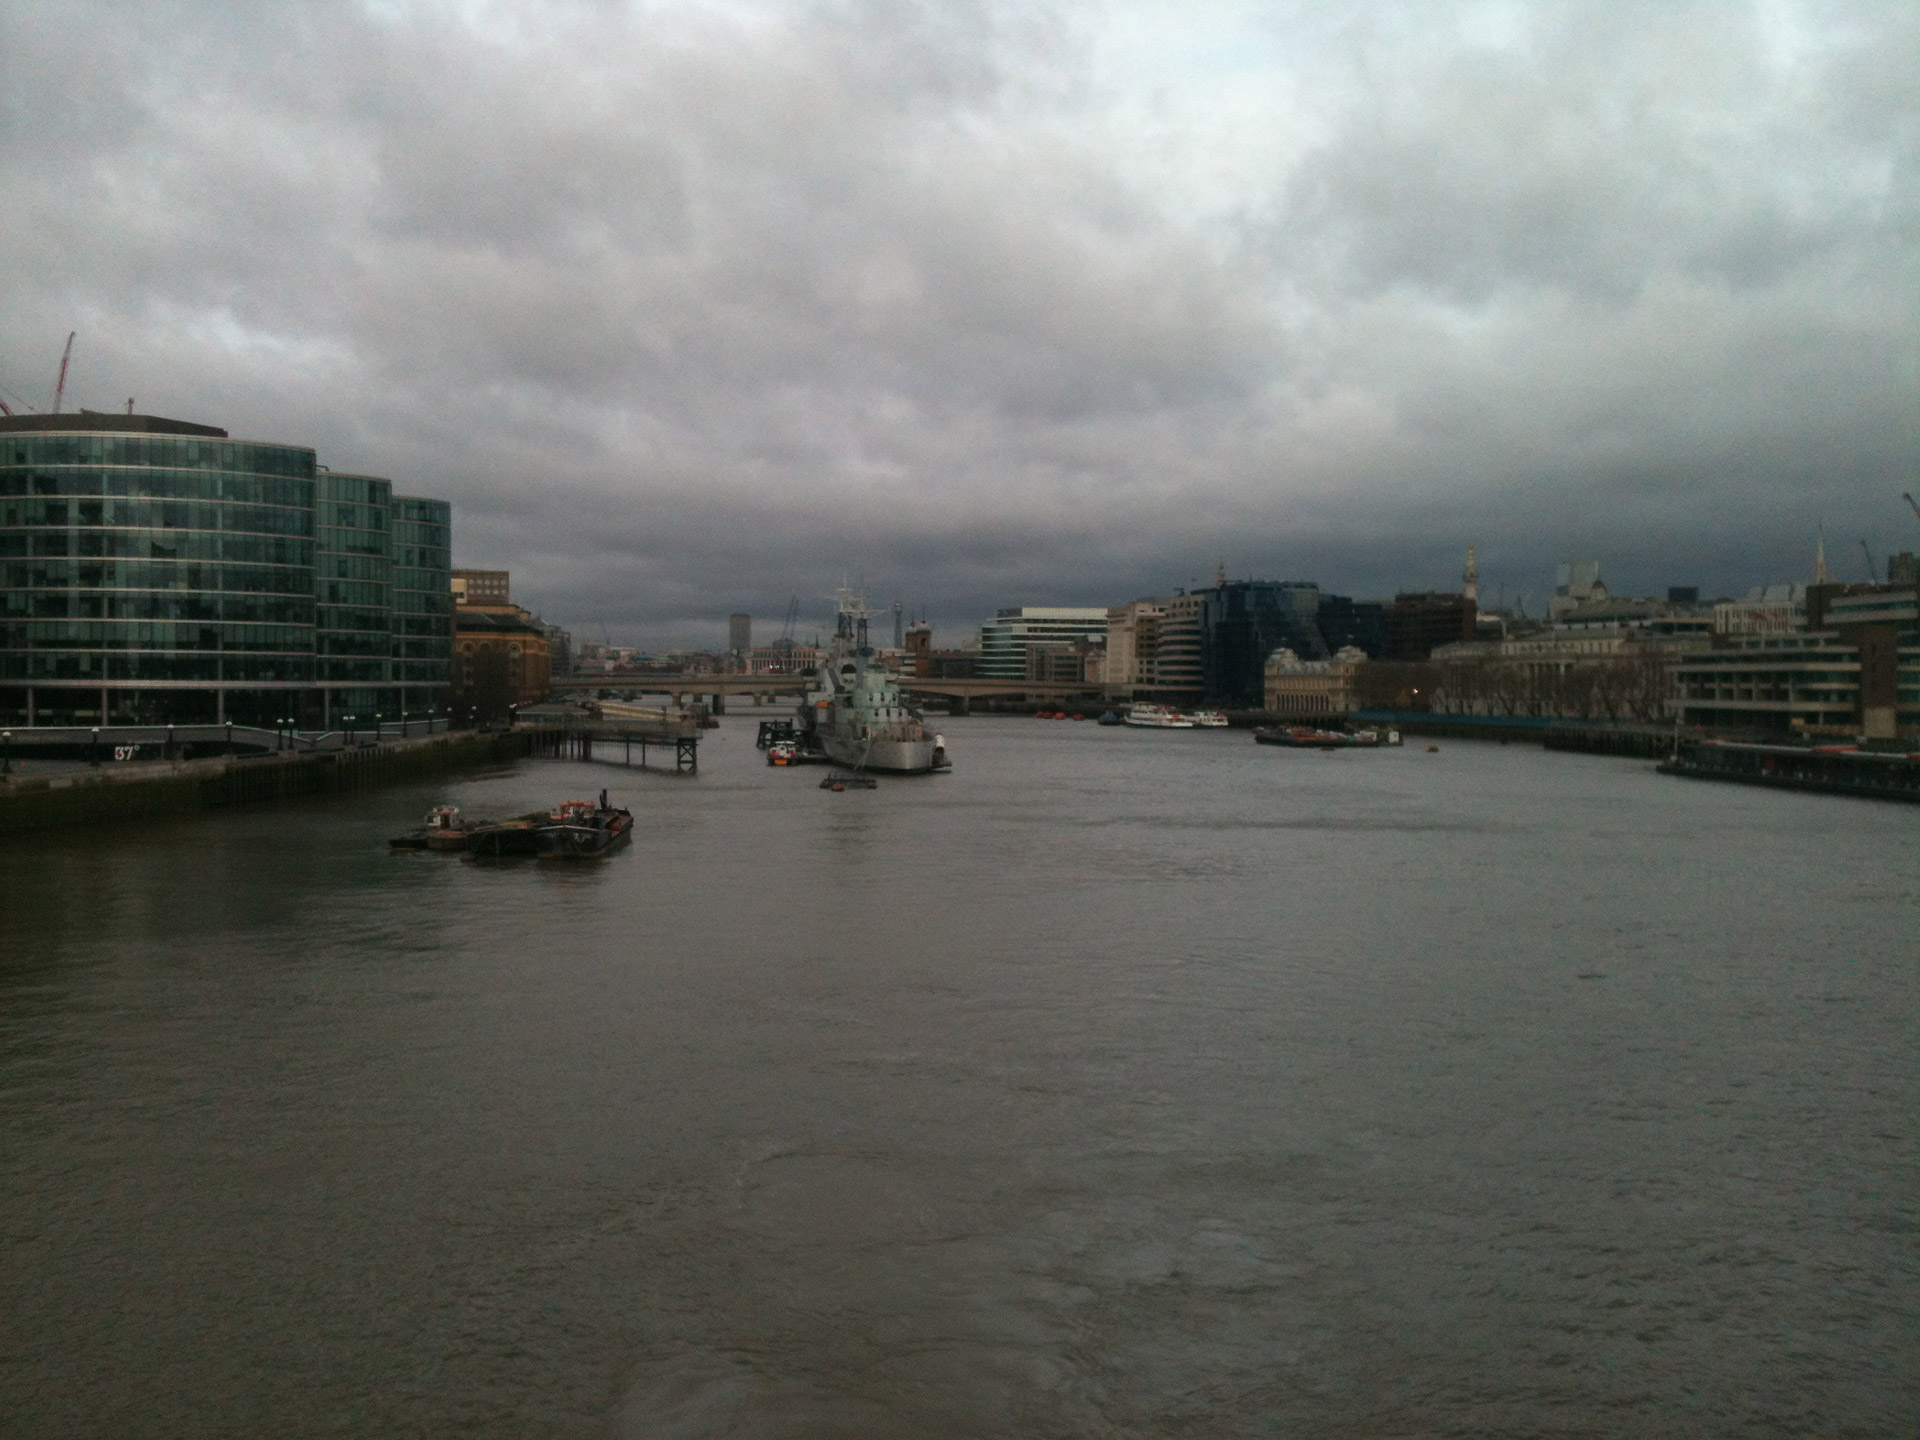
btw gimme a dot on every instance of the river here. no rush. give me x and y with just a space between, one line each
1118 1083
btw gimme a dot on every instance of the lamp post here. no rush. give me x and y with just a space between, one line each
229 737
6 752
170 750
94 751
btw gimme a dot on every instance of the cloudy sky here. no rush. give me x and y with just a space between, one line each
691 307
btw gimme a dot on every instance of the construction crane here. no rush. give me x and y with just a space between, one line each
1869 554
1913 503
783 647
60 385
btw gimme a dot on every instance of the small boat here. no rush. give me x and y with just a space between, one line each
443 831
1112 717
849 781
783 752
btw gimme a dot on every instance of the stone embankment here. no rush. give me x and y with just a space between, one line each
112 794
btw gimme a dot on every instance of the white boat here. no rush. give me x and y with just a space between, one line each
1208 719
1157 717
854 711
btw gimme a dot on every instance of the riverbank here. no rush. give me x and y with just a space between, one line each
113 793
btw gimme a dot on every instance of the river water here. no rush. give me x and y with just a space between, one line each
1117 1084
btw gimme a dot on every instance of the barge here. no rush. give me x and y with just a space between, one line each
1828 769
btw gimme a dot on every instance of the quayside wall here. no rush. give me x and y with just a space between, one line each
115 793
1646 742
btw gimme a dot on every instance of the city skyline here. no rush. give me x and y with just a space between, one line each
1000 305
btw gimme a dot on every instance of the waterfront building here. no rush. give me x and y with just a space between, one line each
1778 683
482 587
783 657
739 635
1153 649
1241 623
1648 616
353 585
501 660
1005 639
422 594
918 643
559 650
1767 610
1417 622
1313 689
1854 669
1344 622
1082 663
156 571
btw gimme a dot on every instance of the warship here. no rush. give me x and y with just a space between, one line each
854 712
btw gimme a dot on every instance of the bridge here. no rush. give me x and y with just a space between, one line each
958 693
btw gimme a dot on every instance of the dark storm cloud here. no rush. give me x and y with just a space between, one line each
690 307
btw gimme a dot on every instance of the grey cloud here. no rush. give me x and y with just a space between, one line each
690 307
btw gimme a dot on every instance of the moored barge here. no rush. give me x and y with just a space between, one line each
1828 769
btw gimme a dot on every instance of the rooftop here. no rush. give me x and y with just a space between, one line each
95 420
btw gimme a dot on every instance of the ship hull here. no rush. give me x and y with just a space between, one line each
892 757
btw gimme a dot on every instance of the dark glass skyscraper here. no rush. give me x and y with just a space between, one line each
1245 621
155 571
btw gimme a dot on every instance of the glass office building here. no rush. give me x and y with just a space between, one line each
422 594
154 571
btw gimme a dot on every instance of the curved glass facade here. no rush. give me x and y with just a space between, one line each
156 577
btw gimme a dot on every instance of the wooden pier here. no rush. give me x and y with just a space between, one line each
588 738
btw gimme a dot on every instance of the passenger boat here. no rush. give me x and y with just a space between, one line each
1157 717
1208 719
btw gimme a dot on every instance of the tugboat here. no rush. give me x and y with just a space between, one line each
855 713
581 829
444 831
